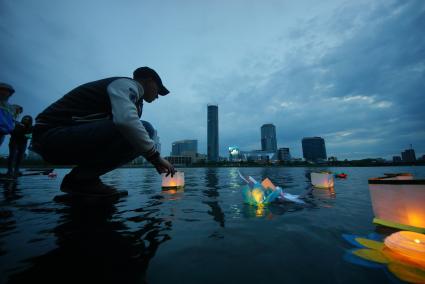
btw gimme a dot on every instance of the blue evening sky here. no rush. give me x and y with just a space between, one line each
352 72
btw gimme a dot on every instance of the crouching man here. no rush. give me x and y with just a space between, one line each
97 128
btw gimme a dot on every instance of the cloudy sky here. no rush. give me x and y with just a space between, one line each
352 72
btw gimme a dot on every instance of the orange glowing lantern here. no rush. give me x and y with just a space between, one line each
409 245
322 179
176 181
398 201
267 183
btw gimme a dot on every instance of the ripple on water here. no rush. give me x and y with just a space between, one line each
202 233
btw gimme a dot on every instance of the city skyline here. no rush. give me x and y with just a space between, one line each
350 72
268 130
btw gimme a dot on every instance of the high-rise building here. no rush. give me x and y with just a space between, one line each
157 142
268 137
408 155
184 148
283 154
212 135
314 149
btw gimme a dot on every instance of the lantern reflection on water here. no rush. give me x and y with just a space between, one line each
398 201
176 181
322 179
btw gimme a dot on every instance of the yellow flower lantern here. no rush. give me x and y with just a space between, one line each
410 245
402 254
176 181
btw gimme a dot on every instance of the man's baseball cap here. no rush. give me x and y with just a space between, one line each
146 72
7 87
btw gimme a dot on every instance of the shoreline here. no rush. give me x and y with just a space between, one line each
47 166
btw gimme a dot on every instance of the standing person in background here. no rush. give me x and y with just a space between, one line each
8 112
18 145
96 127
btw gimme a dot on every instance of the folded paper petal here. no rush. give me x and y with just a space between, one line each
267 183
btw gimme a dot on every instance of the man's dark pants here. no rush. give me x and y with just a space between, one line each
95 148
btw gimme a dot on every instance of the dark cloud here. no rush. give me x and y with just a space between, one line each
363 90
351 72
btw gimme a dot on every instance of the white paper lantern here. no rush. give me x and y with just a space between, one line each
177 181
398 201
322 179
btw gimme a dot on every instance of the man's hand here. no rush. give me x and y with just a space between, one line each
163 166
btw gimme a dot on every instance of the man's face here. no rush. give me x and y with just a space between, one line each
151 90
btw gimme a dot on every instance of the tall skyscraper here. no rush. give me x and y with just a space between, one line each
268 138
212 135
184 148
314 149
157 142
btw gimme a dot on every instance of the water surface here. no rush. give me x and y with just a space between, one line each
201 234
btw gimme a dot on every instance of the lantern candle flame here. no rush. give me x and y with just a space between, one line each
408 244
405 196
322 179
176 181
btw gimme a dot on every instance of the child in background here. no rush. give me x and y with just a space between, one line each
18 145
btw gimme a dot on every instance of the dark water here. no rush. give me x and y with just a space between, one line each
203 234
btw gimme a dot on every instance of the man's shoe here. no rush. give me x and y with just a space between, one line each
94 188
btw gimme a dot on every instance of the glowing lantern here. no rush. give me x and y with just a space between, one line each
402 254
409 245
322 179
255 193
258 195
267 183
398 201
177 181
399 176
